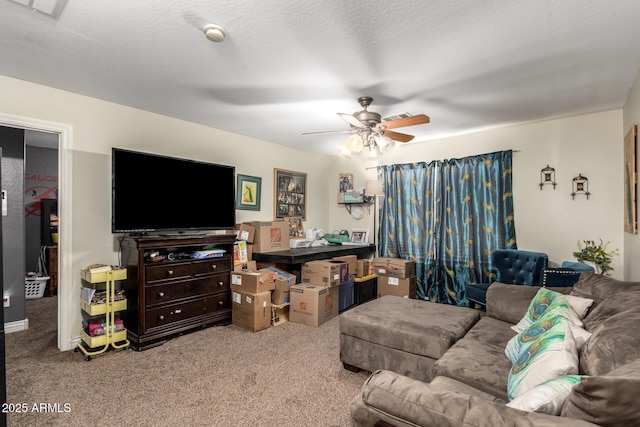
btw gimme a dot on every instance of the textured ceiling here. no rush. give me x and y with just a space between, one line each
288 67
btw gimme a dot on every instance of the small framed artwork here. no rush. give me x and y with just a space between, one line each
248 193
360 236
290 194
295 227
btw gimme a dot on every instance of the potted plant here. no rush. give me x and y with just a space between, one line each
597 254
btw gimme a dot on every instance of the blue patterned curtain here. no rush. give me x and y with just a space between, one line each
407 215
475 218
448 216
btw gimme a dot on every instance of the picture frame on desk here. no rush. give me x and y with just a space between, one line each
290 194
359 236
248 192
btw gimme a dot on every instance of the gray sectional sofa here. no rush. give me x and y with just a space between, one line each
466 383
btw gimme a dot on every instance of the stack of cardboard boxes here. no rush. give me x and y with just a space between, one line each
260 297
396 276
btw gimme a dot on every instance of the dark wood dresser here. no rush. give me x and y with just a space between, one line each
179 293
52 266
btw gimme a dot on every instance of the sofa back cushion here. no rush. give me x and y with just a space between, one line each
510 303
614 343
599 287
610 400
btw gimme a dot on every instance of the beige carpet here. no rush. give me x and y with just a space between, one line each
289 375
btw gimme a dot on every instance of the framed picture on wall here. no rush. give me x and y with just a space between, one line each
630 182
248 192
290 194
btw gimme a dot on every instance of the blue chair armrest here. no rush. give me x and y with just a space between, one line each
577 266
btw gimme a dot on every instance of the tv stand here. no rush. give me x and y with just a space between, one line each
171 297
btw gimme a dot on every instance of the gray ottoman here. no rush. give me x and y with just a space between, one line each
403 335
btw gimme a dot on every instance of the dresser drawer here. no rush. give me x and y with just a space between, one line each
212 266
177 312
159 273
167 292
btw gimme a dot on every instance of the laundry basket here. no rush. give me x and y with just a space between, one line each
34 286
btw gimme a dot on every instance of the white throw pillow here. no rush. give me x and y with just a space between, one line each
579 305
548 397
546 301
551 354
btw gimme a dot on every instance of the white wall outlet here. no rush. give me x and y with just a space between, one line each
6 301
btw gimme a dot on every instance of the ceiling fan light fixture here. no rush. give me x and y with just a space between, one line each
355 143
344 150
383 141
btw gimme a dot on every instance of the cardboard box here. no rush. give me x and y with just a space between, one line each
245 232
240 253
249 266
393 267
251 311
253 281
325 272
284 281
313 304
352 262
363 268
279 314
406 287
270 236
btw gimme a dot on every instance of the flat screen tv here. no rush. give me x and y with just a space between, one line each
168 194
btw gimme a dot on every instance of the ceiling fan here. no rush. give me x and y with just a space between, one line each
371 132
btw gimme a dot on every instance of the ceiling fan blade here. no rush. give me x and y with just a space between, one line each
329 131
420 119
352 120
397 136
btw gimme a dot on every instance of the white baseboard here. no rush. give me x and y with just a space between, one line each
18 325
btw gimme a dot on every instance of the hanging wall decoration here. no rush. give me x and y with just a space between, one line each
290 195
580 185
548 176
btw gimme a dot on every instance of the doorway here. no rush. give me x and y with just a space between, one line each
65 172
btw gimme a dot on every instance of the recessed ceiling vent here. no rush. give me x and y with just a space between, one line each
52 8
396 117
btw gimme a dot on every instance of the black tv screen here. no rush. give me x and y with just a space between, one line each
159 193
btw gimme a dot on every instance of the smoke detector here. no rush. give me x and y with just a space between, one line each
215 33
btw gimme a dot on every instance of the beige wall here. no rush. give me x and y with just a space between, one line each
632 241
548 220
97 126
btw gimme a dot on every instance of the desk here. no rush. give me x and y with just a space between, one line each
291 260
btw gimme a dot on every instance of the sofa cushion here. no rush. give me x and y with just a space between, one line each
548 397
615 342
401 401
618 302
478 359
552 354
599 287
414 326
610 400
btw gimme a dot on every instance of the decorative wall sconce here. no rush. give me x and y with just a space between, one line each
580 186
548 176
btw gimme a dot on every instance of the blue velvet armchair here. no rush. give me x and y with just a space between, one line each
513 267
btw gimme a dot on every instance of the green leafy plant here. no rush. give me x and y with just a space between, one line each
597 253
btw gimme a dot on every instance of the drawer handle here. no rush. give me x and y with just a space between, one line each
221 303
160 294
178 311
214 266
220 283
170 273
161 317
